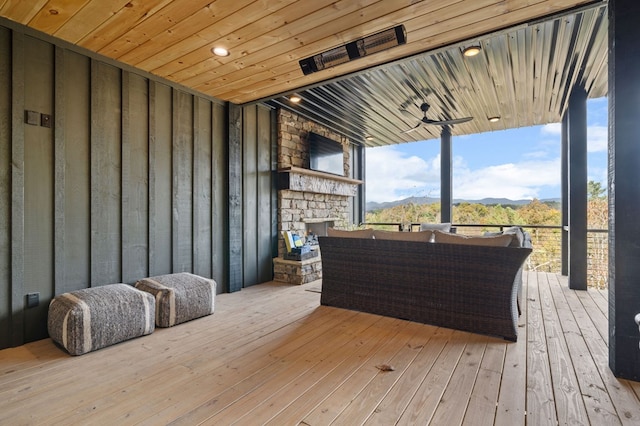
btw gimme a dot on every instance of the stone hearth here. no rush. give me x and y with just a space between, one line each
307 199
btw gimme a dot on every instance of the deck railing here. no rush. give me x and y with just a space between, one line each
547 247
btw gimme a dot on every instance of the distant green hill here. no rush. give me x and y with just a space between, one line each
371 206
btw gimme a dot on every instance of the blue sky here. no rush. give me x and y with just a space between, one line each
516 164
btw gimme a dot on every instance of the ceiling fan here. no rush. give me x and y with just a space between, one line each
424 107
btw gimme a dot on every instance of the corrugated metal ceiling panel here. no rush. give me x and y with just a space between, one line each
523 75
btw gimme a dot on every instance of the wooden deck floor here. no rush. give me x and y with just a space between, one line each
271 355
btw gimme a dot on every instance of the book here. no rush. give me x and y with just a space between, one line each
288 240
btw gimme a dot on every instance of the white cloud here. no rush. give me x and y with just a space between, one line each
597 139
552 129
392 175
511 180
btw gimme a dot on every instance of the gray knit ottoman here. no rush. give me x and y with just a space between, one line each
86 320
180 297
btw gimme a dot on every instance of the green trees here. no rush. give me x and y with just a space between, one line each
546 241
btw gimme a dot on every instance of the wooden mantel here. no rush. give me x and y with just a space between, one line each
305 180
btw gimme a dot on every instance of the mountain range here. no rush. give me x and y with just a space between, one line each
372 205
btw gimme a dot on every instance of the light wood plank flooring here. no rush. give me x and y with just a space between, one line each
272 355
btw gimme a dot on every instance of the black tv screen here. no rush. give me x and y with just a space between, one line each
325 155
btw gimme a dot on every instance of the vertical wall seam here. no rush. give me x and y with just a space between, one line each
17 190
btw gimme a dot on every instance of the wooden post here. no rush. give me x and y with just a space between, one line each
577 132
235 198
624 191
445 176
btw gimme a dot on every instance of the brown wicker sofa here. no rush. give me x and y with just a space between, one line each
466 287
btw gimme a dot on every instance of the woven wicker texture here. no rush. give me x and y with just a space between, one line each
470 288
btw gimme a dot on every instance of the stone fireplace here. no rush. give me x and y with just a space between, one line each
309 202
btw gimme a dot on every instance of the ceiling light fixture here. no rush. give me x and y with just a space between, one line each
470 51
220 51
356 49
369 138
295 99
494 119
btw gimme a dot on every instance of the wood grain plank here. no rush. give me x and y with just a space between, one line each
270 29
427 397
5 187
511 408
209 34
59 158
399 397
17 187
88 19
456 396
106 189
484 397
121 22
615 391
206 16
22 10
38 186
113 401
55 14
558 321
219 198
235 208
296 39
202 208
331 408
204 372
157 20
135 177
271 355
160 179
540 405
266 206
366 401
305 365
183 182
250 212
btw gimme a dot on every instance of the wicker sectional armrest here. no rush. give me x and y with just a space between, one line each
465 287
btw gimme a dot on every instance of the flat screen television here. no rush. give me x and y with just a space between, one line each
325 155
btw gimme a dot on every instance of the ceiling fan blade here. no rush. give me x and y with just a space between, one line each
447 122
412 129
407 113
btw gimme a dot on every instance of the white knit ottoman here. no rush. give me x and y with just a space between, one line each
86 320
180 297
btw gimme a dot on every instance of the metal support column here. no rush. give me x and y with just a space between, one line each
446 188
564 254
624 191
577 132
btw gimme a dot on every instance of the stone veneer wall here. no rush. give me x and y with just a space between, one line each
294 207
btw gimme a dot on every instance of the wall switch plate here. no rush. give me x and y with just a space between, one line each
45 120
33 300
32 117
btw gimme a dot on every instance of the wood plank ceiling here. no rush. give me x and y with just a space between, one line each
266 39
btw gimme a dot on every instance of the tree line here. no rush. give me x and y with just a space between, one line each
546 241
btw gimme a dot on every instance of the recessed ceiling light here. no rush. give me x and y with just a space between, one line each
494 119
295 99
471 51
220 51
